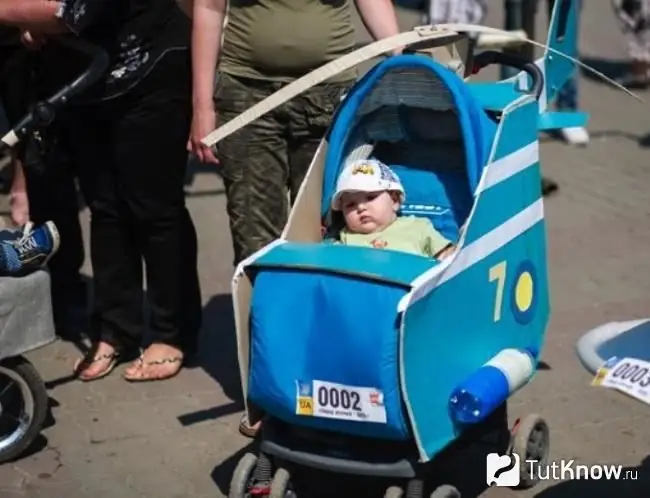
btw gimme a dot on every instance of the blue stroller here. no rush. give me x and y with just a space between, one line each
371 362
375 362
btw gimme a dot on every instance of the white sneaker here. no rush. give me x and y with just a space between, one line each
575 135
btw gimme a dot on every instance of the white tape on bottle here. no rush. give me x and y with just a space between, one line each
516 365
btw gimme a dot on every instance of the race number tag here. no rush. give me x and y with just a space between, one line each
627 375
338 401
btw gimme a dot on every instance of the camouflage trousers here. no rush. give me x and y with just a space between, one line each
264 163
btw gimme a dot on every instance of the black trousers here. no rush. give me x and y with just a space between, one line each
131 157
52 195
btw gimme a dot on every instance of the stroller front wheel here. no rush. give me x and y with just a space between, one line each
445 491
23 406
531 442
394 492
242 476
280 484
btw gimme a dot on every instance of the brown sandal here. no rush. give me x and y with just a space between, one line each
82 364
139 377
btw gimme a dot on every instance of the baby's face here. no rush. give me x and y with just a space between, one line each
368 212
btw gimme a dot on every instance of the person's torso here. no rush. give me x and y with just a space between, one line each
136 34
404 234
284 39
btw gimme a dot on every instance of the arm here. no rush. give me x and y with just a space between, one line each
435 245
40 15
208 19
379 18
447 251
207 26
52 17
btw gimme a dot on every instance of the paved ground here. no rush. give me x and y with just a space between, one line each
179 438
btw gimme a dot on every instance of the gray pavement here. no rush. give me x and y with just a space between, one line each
179 438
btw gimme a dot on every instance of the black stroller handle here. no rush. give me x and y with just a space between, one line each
43 112
489 57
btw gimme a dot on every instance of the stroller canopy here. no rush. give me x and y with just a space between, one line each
437 133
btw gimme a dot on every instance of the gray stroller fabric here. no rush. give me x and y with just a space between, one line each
26 321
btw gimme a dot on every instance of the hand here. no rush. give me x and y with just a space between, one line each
204 121
32 41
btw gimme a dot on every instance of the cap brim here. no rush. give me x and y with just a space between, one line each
336 199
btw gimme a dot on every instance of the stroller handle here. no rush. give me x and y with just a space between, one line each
489 57
43 112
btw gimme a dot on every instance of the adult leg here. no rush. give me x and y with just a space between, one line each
151 159
254 167
17 89
639 50
634 20
308 117
52 194
116 319
18 201
255 171
567 98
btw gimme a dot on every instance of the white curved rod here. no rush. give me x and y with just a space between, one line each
418 34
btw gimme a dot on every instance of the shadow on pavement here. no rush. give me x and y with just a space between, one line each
644 141
634 483
218 357
195 167
218 345
640 140
612 68
222 473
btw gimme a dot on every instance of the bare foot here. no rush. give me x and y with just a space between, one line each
158 362
98 363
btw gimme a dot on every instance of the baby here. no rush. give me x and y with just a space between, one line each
369 194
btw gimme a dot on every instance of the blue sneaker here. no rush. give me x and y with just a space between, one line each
31 249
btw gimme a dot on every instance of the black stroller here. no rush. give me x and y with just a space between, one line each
26 321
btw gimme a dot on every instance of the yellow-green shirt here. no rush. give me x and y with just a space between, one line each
281 40
407 233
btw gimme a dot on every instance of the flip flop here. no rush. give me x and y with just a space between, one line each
141 363
89 360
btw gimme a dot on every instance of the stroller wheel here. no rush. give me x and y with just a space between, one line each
394 492
445 491
531 441
280 486
241 478
23 406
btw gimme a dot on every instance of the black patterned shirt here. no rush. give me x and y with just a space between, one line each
135 34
